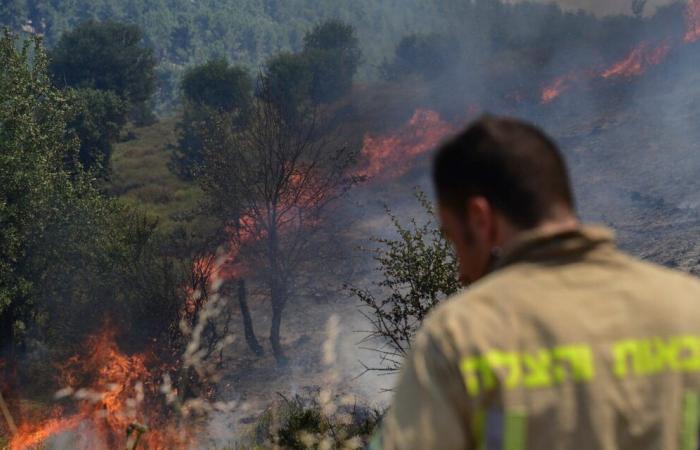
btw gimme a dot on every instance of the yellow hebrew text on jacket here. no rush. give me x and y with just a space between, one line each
513 370
575 363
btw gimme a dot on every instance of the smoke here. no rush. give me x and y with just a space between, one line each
624 112
606 7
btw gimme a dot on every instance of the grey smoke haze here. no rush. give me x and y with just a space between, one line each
606 7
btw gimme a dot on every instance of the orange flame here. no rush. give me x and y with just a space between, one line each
115 399
692 20
557 87
289 213
29 435
634 64
391 155
638 60
386 156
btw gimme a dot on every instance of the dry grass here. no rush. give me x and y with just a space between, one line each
141 177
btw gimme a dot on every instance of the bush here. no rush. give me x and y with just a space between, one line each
308 423
98 123
418 270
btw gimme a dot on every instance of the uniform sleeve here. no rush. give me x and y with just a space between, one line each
425 412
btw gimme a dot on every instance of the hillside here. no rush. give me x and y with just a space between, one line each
632 146
183 33
140 176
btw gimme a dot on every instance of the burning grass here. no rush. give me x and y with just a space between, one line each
634 64
638 60
692 17
120 392
121 399
391 155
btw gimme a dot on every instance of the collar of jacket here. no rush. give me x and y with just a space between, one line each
541 246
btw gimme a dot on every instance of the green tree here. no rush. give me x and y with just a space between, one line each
33 185
287 83
321 73
108 56
213 88
101 117
220 86
13 12
68 256
417 270
333 54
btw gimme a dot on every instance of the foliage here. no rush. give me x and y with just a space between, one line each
98 123
214 88
418 270
484 34
321 73
12 12
287 83
219 86
334 56
70 257
185 33
34 188
306 422
108 56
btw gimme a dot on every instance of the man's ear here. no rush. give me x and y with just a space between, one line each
480 216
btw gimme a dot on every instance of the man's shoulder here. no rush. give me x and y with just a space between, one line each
471 314
490 309
481 300
650 275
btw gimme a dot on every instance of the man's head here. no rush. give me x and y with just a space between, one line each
496 179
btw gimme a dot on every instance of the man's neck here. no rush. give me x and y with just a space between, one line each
561 221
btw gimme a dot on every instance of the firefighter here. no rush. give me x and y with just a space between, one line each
561 341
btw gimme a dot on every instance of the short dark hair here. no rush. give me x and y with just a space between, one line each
511 163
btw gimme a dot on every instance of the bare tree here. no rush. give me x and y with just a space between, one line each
205 320
273 183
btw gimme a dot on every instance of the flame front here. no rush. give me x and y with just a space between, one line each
638 60
633 65
120 387
692 19
557 87
30 435
391 155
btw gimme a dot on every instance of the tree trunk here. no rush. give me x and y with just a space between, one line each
277 308
247 321
278 289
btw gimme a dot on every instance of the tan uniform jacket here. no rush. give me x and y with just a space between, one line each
568 345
